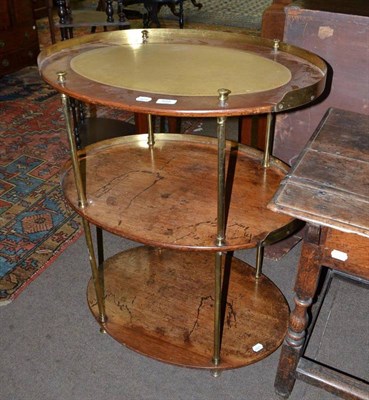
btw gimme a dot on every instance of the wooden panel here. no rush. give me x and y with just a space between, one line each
355 247
329 182
23 12
352 7
5 19
273 21
172 190
39 8
20 49
161 304
342 40
18 36
18 39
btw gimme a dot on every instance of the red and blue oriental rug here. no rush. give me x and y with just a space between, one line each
35 222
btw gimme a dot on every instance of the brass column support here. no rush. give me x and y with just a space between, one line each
266 163
221 181
217 309
259 259
268 140
97 273
221 223
151 137
82 203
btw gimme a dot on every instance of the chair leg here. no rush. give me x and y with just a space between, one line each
109 10
50 18
196 4
181 16
152 9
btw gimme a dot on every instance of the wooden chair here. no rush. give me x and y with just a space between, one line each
153 8
104 16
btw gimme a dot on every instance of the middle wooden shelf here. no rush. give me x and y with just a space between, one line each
166 195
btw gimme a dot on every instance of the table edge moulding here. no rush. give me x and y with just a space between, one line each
182 297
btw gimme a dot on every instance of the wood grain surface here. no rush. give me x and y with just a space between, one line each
166 196
161 304
329 182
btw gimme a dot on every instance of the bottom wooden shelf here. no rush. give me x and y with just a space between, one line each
160 303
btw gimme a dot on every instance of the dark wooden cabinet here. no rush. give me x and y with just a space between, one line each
39 8
337 31
19 45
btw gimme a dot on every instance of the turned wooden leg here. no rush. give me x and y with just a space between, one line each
181 16
305 288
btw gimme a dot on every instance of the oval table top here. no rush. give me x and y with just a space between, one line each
179 72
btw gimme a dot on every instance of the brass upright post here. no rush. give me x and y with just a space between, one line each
221 182
223 96
151 137
259 259
82 203
266 163
217 308
268 140
97 273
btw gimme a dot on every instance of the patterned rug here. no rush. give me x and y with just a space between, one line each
35 223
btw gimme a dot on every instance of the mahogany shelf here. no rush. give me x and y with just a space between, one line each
166 196
160 303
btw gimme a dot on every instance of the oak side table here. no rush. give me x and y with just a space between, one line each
328 188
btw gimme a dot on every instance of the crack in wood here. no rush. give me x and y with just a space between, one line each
193 228
230 319
231 315
202 301
122 305
242 228
94 303
157 179
108 186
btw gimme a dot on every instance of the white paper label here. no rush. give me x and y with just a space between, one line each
257 347
325 32
339 255
166 101
143 98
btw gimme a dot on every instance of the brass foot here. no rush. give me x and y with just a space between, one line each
215 373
